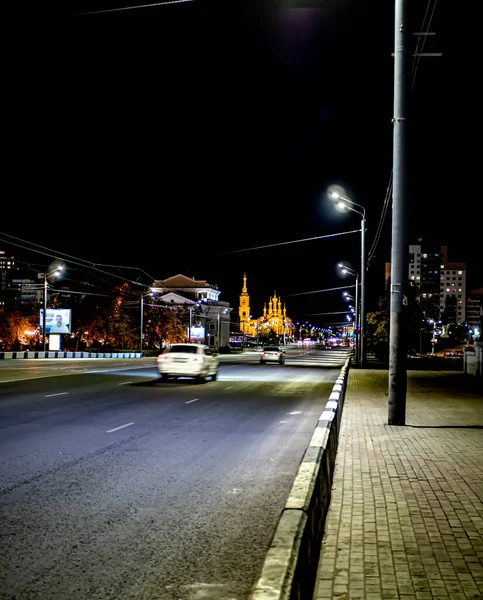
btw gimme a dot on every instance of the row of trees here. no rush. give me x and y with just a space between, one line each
112 321
108 321
418 333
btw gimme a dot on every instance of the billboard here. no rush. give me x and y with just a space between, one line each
197 334
57 320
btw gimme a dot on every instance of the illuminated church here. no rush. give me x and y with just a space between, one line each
273 321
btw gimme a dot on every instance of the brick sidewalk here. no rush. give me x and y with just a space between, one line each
406 512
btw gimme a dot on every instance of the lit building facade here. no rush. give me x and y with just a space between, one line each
273 320
209 317
474 308
441 284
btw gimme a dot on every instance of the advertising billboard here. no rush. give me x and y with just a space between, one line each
197 334
57 320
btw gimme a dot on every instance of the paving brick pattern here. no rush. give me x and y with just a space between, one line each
406 513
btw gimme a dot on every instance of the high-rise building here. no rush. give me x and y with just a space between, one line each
441 284
453 293
8 271
474 308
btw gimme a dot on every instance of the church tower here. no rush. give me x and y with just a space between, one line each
244 309
273 321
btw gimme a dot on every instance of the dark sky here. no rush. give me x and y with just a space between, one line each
168 142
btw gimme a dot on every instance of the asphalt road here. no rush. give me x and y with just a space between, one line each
115 485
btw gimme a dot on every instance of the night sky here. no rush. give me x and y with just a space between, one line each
168 143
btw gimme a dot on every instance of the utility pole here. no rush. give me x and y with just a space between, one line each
399 275
44 314
362 313
399 272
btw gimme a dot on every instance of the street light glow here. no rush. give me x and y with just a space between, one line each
348 204
54 273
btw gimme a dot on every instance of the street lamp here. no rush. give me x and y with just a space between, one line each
348 297
142 317
54 273
218 333
353 310
347 204
195 305
433 337
357 319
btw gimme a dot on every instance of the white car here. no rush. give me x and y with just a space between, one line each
272 354
188 360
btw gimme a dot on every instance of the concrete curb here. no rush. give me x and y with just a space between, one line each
62 354
290 567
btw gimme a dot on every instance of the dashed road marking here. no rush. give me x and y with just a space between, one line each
120 427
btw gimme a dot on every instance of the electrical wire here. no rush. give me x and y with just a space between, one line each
61 256
417 58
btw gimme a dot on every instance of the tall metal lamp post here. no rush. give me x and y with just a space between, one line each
347 204
54 273
142 319
358 320
195 305
348 297
218 332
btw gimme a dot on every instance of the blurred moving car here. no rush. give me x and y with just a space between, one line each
272 354
188 360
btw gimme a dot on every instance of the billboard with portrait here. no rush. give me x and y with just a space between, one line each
57 320
197 334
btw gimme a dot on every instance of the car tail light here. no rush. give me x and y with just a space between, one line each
161 357
198 358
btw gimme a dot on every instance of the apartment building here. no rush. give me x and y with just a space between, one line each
442 284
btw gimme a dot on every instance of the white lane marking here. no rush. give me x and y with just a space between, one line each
295 412
190 401
124 383
208 591
120 427
59 394
229 387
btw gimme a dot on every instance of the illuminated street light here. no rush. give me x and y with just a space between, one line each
347 204
433 337
346 270
142 318
218 331
53 273
195 305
